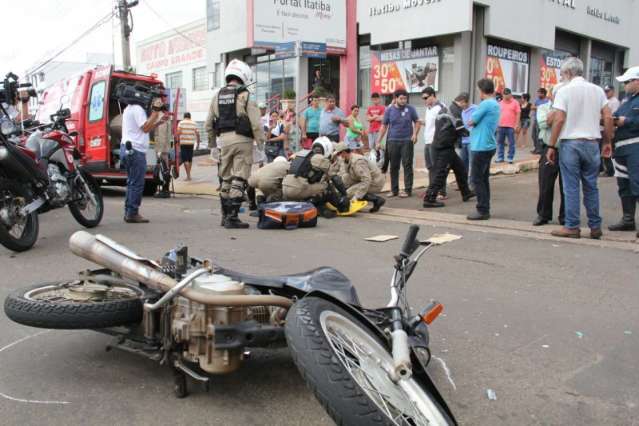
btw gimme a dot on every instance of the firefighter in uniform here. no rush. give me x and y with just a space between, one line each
313 178
267 181
233 123
361 176
626 150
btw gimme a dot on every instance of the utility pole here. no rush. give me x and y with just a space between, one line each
125 31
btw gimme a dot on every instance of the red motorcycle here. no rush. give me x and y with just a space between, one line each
40 174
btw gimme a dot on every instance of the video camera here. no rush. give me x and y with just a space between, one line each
11 90
138 94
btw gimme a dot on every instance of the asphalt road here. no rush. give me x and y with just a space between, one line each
550 327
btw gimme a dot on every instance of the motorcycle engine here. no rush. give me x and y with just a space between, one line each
59 191
193 325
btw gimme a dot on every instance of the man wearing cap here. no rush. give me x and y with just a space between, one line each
626 150
361 176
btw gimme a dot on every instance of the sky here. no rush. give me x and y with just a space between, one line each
40 28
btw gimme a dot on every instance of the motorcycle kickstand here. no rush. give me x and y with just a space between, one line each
181 372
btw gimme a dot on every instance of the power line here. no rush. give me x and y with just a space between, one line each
160 17
94 27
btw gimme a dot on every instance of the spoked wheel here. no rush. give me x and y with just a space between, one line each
18 232
348 369
88 206
76 305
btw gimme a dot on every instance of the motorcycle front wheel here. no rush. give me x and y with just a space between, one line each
18 233
347 368
87 209
72 305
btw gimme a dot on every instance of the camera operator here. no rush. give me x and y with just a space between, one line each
18 107
136 126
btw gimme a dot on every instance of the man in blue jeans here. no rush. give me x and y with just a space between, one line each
483 124
579 108
136 126
509 121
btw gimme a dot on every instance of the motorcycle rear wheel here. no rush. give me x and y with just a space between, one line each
70 305
84 211
23 234
346 367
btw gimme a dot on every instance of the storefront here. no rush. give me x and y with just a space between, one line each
450 44
179 59
293 46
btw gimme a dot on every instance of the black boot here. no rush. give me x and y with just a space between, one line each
232 221
319 201
430 201
259 200
377 201
250 192
224 203
627 223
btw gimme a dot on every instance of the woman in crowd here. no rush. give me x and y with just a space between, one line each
355 131
277 143
524 121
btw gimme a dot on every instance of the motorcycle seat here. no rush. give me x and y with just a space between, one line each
324 279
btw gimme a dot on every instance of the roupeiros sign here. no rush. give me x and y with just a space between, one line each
508 68
315 21
410 69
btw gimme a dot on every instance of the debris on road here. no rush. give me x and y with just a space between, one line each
545 346
579 334
627 332
439 239
381 238
491 394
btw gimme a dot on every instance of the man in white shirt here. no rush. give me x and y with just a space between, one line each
433 109
136 126
579 108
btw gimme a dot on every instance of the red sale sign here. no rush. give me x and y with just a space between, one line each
408 69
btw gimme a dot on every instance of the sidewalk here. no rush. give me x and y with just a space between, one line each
204 174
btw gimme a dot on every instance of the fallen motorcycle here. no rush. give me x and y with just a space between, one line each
366 366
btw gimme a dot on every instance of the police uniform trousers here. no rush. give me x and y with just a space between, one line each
236 160
271 191
299 189
626 163
354 188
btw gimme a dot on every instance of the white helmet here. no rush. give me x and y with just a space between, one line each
326 145
280 159
239 69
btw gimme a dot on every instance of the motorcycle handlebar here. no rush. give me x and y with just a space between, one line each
409 243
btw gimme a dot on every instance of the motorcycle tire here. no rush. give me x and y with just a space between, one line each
337 384
31 229
22 308
75 210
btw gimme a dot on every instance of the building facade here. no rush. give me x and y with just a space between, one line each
450 44
178 58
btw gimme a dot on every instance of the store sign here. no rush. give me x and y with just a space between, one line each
571 4
314 50
173 51
550 69
286 50
508 68
399 5
317 21
599 14
410 69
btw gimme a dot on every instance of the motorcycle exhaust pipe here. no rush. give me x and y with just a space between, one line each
88 247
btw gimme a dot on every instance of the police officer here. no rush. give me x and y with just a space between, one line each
626 150
267 181
234 120
361 176
314 178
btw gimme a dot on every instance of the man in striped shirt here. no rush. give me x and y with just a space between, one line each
189 139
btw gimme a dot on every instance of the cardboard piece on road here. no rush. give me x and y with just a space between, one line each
381 238
439 239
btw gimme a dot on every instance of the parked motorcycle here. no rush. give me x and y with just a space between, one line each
41 175
366 366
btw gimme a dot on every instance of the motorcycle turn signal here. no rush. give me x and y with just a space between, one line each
431 312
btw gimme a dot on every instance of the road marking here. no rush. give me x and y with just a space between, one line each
447 371
28 401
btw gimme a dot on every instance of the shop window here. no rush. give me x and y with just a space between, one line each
212 15
200 79
174 80
96 106
601 71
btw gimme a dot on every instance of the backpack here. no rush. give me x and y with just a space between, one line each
288 215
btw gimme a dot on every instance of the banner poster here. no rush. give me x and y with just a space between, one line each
508 68
550 67
410 69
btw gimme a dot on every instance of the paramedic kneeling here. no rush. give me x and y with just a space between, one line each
136 126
